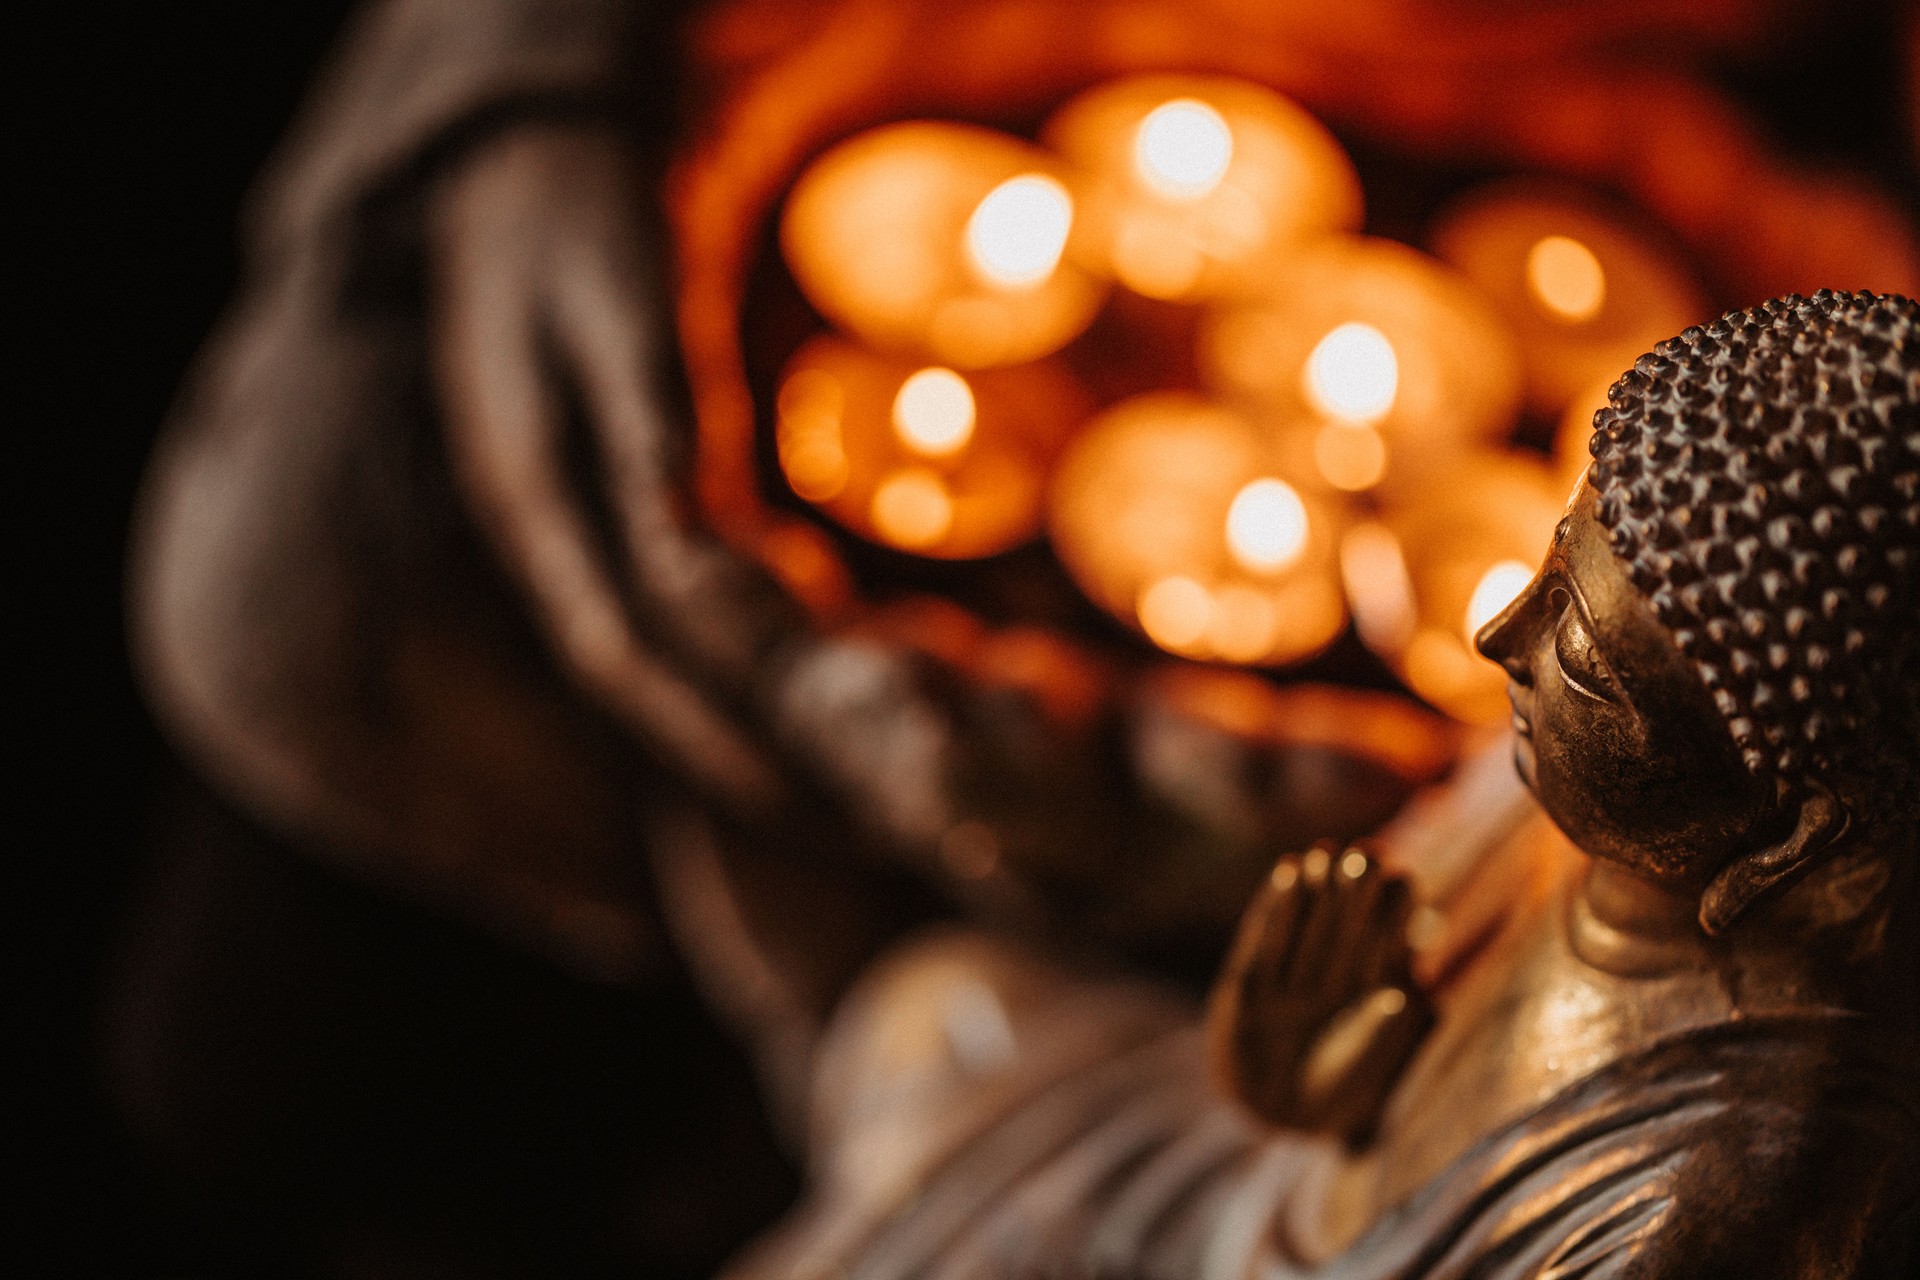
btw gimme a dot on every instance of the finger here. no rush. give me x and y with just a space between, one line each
1355 882
503 428
1245 1026
1389 962
1306 968
1269 931
1353 1066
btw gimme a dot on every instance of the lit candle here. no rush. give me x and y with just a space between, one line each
1177 517
1584 291
942 240
1387 354
922 458
1193 181
1440 565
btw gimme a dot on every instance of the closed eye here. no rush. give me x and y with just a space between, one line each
1579 658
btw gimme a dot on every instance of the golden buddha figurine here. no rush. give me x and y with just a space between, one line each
1682 1044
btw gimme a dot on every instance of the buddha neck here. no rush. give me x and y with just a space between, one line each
1630 927
1626 925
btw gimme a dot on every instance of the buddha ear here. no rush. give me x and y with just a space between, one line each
1751 878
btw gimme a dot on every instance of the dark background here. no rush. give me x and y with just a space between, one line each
143 126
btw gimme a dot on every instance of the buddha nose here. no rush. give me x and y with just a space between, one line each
1507 636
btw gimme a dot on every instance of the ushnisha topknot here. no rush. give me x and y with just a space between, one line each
1760 478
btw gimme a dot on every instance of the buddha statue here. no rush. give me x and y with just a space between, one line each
1682 1046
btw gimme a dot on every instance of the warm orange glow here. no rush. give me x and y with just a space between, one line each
1154 260
1363 330
1467 538
934 413
1498 587
1018 232
1175 613
1142 494
1571 454
1192 184
1266 526
1374 573
1446 673
805 561
942 239
1350 456
912 509
1584 287
1352 373
1244 624
1310 615
1566 278
852 421
1165 512
1182 149
808 436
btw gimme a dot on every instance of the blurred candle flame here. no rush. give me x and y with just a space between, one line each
1584 285
1467 541
1153 263
1353 373
1351 456
1374 573
940 239
1182 149
934 413
812 451
1499 586
1018 231
1566 278
912 508
1266 525
1243 624
1175 613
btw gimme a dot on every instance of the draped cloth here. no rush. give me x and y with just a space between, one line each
1755 1148
317 622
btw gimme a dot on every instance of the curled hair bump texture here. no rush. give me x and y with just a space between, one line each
1760 479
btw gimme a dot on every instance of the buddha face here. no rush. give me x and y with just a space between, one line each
1618 737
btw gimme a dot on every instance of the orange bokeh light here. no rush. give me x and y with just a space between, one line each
1498 587
1266 526
1182 149
1585 289
1352 373
1350 457
912 509
940 239
808 435
1566 279
1175 612
934 412
1191 182
1374 572
1018 231
1363 330
921 457
1166 512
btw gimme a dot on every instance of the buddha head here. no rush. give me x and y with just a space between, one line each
1716 673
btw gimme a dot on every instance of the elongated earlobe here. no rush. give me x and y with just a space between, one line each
1751 878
